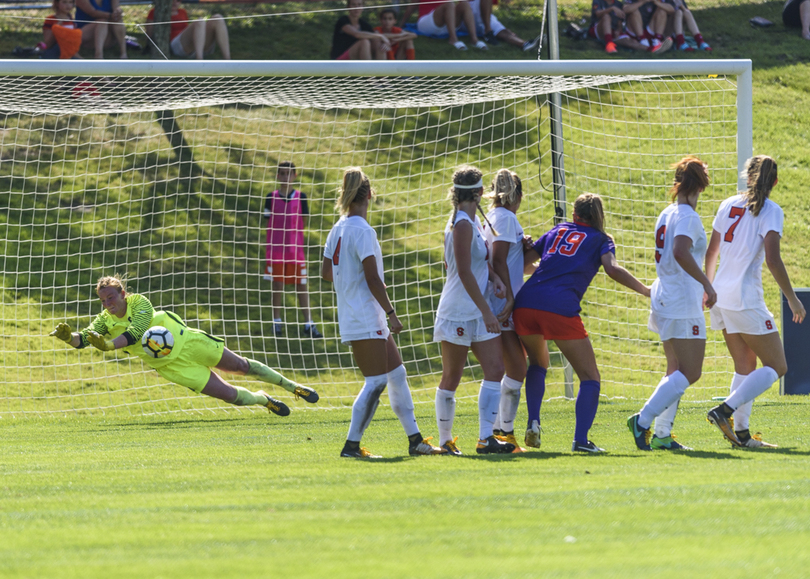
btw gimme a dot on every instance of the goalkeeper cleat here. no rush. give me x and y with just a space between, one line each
532 438
510 438
586 447
667 443
424 448
306 393
275 406
724 423
492 445
451 448
755 441
640 435
361 452
311 332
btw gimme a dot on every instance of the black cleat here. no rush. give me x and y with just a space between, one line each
723 422
640 435
311 332
306 393
492 445
586 447
276 406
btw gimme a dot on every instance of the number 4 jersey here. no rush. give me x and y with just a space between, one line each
570 256
738 282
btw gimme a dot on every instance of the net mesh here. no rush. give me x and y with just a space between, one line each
165 179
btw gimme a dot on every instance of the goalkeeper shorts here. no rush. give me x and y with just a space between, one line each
192 369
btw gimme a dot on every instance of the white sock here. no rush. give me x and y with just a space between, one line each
489 398
308 324
510 400
445 414
743 412
669 389
665 420
400 397
754 384
365 405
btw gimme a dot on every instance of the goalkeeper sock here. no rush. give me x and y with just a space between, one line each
245 397
267 374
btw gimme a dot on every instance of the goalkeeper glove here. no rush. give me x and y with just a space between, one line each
97 341
63 332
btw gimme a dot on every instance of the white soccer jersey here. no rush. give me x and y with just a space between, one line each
506 224
675 293
351 241
455 303
738 282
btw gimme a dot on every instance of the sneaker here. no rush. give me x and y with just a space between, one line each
640 435
425 448
278 330
311 332
458 45
532 438
510 438
586 447
686 48
275 406
667 443
451 448
532 44
726 426
705 47
755 441
662 47
481 45
492 445
359 453
610 48
306 393
490 38
654 44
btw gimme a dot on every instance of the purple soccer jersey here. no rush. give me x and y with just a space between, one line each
570 256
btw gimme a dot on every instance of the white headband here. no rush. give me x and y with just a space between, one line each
479 185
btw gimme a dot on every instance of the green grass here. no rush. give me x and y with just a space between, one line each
249 495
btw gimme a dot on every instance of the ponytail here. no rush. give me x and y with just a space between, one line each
356 189
760 172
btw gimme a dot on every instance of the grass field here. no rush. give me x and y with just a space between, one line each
249 495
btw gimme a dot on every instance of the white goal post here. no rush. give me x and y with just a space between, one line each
160 169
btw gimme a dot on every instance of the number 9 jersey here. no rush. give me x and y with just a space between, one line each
570 256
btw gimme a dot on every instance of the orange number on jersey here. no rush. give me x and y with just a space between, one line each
737 212
567 242
336 255
659 242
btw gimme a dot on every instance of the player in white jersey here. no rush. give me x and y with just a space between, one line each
676 304
352 259
747 231
464 319
507 261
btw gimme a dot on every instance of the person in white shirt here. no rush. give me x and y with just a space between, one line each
747 231
507 261
352 259
676 304
464 319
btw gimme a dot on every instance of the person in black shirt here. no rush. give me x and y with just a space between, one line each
355 39
796 14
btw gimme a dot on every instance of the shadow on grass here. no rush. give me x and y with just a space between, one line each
790 451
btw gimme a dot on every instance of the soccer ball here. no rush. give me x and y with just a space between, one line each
157 342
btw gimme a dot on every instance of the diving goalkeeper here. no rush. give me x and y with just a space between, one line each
125 319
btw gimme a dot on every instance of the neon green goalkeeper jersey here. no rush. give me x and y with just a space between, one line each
140 317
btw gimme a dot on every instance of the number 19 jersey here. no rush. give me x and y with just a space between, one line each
351 241
738 282
675 294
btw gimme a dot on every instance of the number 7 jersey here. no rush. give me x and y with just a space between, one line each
738 282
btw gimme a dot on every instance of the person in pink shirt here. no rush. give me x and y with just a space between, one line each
286 211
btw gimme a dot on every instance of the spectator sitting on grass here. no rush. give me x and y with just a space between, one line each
608 26
796 14
95 21
488 26
60 37
647 20
355 39
401 41
196 37
682 13
437 18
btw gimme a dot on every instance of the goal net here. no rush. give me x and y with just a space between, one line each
161 171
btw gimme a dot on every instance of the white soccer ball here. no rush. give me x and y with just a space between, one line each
157 342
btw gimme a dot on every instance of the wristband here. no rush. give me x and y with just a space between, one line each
388 314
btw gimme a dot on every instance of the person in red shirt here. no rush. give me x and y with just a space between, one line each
194 37
401 41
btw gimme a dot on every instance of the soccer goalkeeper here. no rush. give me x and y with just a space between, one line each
125 319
